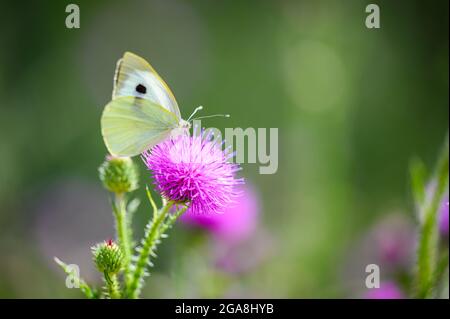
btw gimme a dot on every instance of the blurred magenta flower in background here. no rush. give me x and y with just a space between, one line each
394 241
194 169
389 244
239 242
443 217
387 290
443 209
237 222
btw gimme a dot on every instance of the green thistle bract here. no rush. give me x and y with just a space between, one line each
119 174
108 257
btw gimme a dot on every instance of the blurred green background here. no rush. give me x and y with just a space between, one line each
352 105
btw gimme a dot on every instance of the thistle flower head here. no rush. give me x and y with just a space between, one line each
119 174
108 257
195 170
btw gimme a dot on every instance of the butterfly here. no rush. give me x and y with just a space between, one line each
143 111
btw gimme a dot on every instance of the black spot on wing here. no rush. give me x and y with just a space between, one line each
141 89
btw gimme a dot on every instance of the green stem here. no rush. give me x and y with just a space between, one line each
429 236
441 268
112 285
171 219
123 234
154 231
87 291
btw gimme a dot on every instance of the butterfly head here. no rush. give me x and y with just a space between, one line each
184 124
182 129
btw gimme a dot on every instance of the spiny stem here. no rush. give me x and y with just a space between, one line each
148 245
112 285
87 290
429 237
152 237
171 219
441 267
123 233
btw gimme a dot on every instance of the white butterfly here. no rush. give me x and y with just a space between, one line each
143 111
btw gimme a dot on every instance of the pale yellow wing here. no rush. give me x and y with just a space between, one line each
132 125
136 77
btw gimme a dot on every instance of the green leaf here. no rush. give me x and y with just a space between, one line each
152 202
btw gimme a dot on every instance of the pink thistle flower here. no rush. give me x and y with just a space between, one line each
194 170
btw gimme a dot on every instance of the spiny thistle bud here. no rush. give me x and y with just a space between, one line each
108 257
119 174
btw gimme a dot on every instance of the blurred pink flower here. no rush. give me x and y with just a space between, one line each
387 290
443 217
239 244
395 243
390 244
238 221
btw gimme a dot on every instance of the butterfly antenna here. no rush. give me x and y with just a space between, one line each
209 116
198 108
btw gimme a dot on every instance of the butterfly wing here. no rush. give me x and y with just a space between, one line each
136 77
131 125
